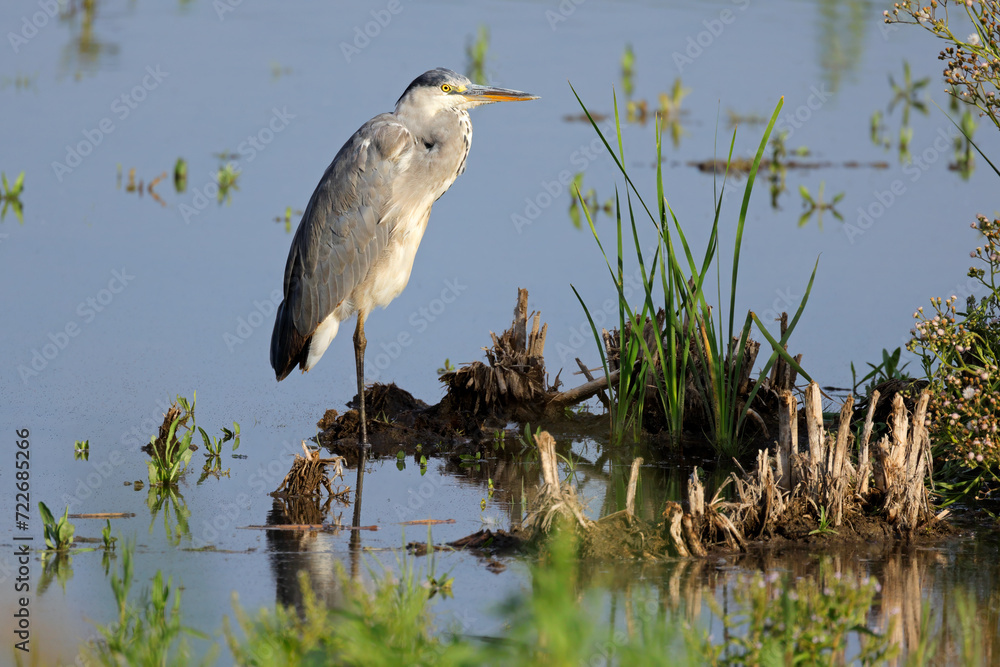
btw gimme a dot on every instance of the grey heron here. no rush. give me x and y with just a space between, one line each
355 245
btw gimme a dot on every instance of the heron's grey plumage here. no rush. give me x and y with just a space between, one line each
354 248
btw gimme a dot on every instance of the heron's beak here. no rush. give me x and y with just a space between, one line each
486 94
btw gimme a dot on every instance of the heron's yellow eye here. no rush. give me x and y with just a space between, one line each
445 88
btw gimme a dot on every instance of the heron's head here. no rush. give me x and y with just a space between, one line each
441 89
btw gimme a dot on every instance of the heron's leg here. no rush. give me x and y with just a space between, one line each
360 342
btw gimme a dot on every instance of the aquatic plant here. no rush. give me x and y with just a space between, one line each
147 632
11 196
628 70
175 512
475 52
170 453
589 199
58 534
226 177
818 204
887 369
81 450
180 175
388 625
964 160
771 619
674 338
107 541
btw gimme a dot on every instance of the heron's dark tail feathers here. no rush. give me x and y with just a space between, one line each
288 347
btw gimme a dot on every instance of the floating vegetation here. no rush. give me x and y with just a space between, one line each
964 162
58 534
278 70
475 53
11 196
877 130
908 95
670 110
734 118
85 49
213 451
628 70
226 177
131 185
180 175
169 501
817 205
586 198
170 451
81 450
778 165
287 218
20 82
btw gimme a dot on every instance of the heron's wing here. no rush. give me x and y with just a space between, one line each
346 225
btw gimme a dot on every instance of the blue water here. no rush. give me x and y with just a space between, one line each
114 303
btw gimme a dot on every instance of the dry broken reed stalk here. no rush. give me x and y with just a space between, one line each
309 472
890 475
887 483
554 500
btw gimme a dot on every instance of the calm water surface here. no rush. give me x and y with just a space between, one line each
114 302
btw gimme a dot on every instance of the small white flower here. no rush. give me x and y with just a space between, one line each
973 39
969 392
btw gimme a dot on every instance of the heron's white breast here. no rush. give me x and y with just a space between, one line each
388 277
